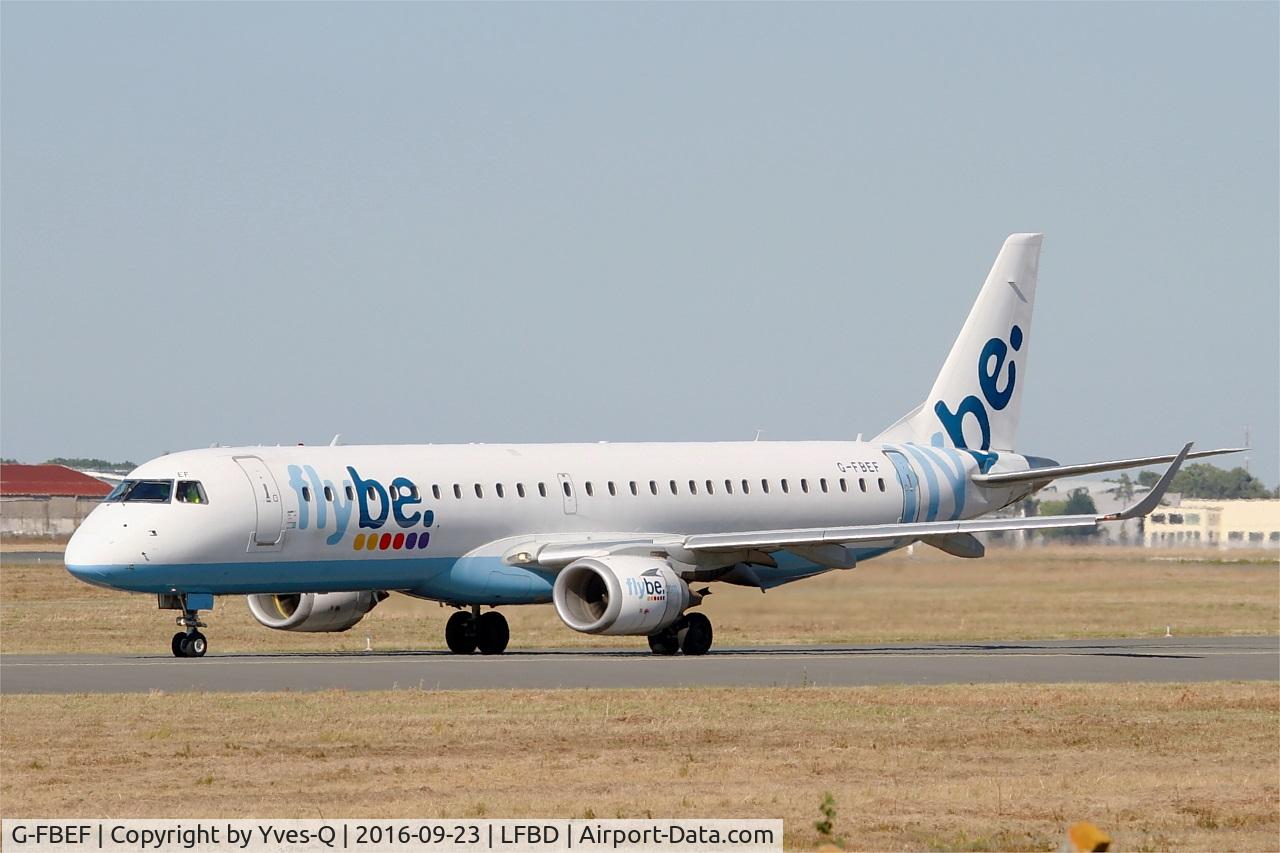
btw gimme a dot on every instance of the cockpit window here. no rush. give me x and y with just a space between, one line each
142 491
191 492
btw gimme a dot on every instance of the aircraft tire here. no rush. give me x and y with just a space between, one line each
176 644
196 645
492 633
695 634
665 642
460 633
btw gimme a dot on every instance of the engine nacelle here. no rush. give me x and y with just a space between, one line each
619 595
313 611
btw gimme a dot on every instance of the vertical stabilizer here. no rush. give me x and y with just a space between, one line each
977 397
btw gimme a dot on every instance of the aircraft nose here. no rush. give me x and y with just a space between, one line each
85 558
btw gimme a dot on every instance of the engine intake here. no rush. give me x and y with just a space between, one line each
619 595
313 611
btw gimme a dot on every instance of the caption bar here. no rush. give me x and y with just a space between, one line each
394 836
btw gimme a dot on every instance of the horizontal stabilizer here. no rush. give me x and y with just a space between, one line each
1044 475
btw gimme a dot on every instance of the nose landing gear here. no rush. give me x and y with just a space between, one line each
189 642
189 645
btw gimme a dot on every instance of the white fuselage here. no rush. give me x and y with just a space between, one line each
315 519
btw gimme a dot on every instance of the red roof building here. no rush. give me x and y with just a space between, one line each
48 480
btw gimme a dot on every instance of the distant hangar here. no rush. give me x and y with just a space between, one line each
45 500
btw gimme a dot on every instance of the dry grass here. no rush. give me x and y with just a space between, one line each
1040 593
960 767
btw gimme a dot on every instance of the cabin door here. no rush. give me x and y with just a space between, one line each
270 521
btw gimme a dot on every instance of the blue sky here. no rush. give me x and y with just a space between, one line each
262 223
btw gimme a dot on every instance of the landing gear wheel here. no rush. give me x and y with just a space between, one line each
695 634
460 633
665 642
176 644
195 645
492 633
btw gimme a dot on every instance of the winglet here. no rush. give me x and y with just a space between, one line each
1152 498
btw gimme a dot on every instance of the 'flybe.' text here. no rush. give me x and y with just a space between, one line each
326 506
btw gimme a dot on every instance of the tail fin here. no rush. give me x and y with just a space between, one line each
976 399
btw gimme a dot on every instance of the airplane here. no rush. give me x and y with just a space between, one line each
616 536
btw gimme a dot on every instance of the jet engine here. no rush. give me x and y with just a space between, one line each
313 611
620 595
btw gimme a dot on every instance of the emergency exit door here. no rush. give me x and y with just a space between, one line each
567 492
270 521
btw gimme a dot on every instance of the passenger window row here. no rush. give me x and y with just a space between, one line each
708 487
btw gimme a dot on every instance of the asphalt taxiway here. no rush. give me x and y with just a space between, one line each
1047 661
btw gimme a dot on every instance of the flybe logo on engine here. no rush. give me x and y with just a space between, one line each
647 587
375 506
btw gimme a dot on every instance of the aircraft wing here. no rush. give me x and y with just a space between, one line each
769 540
822 544
1037 475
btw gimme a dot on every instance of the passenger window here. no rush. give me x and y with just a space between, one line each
413 492
764 486
653 486
693 487
633 488
567 492
497 487
591 493
191 492
613 493
395 492
822 484
328 493
862 483
520 489
435 491
881 482
457 491
844 486
728 487
673 488
370 493
710 488
785 489
804 485
746 487
542 489
479 490
306 494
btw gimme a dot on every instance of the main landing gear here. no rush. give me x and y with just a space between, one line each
467 631
690 634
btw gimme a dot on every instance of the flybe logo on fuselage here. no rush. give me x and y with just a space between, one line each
991 362
375 506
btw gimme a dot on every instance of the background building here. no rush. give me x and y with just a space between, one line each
45 500
1215 523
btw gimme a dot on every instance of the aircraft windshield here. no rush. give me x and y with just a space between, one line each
142 491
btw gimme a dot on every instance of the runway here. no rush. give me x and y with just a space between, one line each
1046 661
